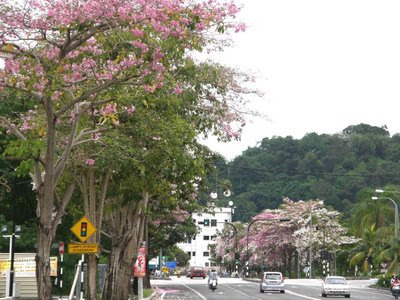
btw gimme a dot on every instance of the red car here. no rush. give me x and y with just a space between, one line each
198 272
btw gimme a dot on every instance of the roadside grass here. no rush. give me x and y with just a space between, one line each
146 293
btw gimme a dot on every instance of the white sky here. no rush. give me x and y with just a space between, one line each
323 65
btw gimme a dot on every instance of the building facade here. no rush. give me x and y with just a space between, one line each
198 247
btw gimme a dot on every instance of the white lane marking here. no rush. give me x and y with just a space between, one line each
163 294
294 294
240 292
300 295
200 295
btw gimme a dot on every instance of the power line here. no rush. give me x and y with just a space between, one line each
309 173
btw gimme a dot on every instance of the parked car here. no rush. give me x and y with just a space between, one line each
198 272
272 281
335 285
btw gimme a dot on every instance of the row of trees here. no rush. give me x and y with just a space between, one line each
280 239
101 107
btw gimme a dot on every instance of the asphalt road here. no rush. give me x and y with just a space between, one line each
238 289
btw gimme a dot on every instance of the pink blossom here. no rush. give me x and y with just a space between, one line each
11 66
109 109
56 95
90 162
177 90
92 41
148 88
137 32
158 55
240 27
52 53
131 109
141 45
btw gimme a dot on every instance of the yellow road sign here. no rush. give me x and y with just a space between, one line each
82 248
83 229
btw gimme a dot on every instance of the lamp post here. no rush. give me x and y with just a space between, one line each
235 245
232 208
396 214
247 238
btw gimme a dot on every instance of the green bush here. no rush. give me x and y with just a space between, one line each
383 281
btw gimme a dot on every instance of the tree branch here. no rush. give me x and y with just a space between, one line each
93 91
14 130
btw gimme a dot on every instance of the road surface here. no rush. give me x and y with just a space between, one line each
237 289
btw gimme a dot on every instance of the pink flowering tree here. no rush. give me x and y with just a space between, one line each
164 162
74 57
280 244
226 248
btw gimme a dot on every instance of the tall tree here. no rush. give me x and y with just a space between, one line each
73 56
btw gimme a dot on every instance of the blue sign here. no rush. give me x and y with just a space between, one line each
171 264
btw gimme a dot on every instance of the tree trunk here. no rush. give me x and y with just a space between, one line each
42 258
91 275
126 225
117 284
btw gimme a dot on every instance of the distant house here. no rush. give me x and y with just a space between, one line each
198 248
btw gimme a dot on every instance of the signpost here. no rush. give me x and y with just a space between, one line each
83 229
139 270
82 248
61 251
61 248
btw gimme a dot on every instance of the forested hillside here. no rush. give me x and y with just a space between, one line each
335 168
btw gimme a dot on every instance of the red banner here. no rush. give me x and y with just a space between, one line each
139 269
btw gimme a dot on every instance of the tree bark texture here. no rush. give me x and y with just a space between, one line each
126 227
42 258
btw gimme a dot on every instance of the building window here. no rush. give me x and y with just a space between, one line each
194 237
188 253
213 264
189 241
213 223
207 264
194 253
206 253
206 237
206 222
213 237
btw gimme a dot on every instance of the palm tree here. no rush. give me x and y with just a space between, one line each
365 250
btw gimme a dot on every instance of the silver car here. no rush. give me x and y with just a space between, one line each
272 281
335 285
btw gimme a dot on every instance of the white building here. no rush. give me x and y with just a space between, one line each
198 248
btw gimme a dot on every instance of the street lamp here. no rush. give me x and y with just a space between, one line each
235 245
247 238
396 214
232 209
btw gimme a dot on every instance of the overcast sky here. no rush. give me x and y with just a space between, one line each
323 65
